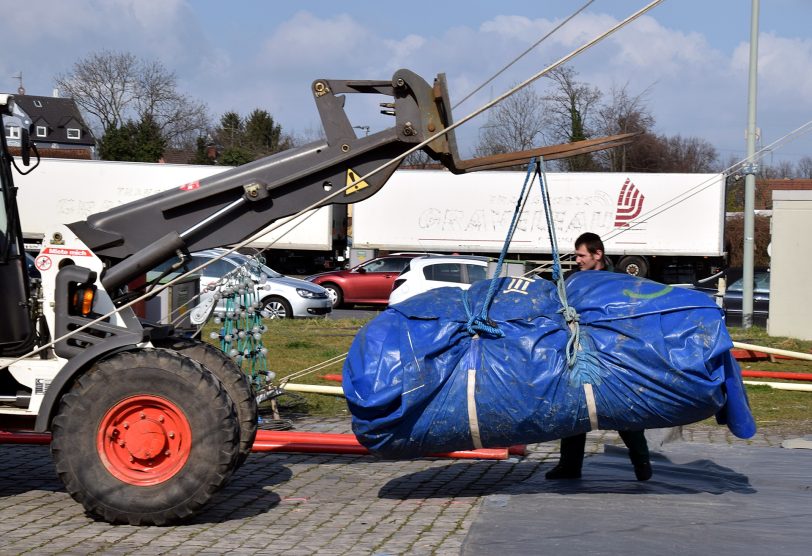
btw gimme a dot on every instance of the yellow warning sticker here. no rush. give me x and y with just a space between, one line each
352 177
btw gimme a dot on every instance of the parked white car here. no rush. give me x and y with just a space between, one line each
280 296
438 271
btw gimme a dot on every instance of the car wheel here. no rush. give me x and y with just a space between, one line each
335 294
277 308
634 265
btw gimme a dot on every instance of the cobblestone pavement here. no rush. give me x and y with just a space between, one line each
291 504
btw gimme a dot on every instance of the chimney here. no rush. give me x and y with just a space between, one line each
56 93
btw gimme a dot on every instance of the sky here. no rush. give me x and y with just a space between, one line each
688 57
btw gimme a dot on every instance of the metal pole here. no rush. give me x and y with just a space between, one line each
750 175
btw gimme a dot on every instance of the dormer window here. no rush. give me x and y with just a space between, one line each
73 133
38 103
13 132
42 131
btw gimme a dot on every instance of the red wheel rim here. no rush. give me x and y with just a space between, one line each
144 440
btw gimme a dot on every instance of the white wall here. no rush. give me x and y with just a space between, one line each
791 265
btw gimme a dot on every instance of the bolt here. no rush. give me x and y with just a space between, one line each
400 82
160 418
408 129
319 87
132 459
167 453
126 425
121 443
345 148
114 433
171 434
142 415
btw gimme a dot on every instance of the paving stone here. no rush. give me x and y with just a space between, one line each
295 503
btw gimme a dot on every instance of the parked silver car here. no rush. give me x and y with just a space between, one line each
280 296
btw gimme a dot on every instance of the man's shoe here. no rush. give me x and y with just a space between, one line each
562 472
642 471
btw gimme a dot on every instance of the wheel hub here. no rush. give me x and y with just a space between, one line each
144 440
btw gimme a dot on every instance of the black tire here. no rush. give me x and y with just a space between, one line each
335 293
276 307
634 265
237 385
202 454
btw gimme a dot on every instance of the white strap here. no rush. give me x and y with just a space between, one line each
473 422
591 407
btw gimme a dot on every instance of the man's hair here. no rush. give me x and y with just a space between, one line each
592 242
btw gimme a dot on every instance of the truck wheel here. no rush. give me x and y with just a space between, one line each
145 437
235 382
335 294
277 308
634 265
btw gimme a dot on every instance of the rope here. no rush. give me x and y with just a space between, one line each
523 54
571 316
480 323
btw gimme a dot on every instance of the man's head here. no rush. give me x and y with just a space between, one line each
589 252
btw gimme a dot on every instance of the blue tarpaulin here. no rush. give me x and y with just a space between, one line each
648 355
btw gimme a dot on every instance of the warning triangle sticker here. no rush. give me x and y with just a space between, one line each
352 177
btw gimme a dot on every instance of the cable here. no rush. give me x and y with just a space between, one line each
393 161
523 54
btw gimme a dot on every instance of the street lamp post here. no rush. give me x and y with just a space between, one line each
750 175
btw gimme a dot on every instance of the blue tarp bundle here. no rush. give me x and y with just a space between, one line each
417 382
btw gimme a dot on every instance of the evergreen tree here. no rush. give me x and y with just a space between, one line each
133 142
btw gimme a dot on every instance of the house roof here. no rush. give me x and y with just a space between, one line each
58 115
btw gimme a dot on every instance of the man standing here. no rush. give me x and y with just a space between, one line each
589 255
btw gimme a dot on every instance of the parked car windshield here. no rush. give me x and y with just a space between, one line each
452 272
761 283
390 264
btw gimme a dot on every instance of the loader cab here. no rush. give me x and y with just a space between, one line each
16 327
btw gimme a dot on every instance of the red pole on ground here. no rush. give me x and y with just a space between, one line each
335 443
24 437
777 374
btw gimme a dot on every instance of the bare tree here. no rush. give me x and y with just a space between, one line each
103 85
116 87
623 113
688 154
805 167
784 169
181 119
515 124
571 105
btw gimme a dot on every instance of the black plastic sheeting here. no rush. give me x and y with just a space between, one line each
704 499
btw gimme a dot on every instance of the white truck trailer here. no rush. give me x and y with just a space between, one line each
666 226
63 190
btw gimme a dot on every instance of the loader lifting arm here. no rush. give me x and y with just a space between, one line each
231 206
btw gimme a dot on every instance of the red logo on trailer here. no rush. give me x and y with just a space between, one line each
190 186
629 204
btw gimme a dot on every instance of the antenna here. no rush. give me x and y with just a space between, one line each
19 77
